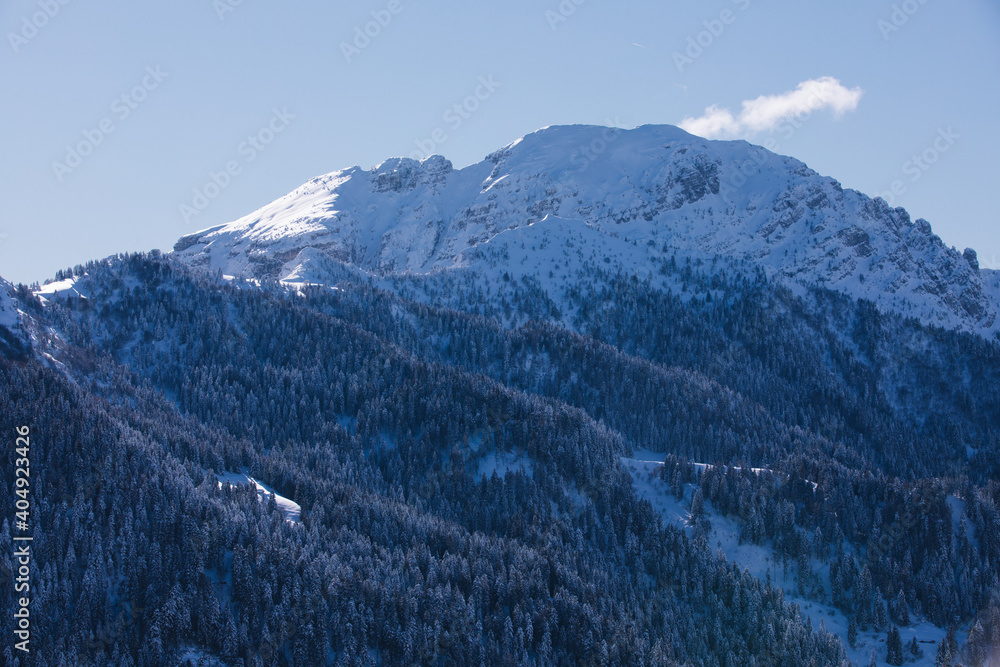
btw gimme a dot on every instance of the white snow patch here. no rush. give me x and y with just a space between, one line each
648 456
502 463
958 514
59 289
191 655
291 509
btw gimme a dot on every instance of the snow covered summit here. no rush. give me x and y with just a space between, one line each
653 183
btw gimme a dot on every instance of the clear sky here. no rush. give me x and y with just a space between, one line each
115 113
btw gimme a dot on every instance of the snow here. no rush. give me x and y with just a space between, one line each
13 319
759 561
646 456
197 656
289 508
503 463
605 189
60 288
649 486
9 314
991 279
958 514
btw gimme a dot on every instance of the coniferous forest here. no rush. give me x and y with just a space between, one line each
488 473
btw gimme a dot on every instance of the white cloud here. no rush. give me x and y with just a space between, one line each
767 112
715 122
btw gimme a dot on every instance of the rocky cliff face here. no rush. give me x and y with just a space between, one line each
655 183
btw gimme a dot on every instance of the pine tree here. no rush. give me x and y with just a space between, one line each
943 656
951 640
900 612
697 506
976 645
880 619
852 632
915 651
893 647
863 594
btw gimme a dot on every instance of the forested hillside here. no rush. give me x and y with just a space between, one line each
464 456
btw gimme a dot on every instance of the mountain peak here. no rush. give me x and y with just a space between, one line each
653 183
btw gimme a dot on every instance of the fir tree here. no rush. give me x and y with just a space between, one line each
893 647
914 650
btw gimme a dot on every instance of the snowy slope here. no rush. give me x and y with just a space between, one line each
651 184
9 316
761 562
60 289
14 336
291 509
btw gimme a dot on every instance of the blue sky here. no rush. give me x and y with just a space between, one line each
128 124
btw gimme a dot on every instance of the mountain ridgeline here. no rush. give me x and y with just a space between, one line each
654 183
671 401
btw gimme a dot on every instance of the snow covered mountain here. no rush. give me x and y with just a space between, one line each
9 317
13 337
651 186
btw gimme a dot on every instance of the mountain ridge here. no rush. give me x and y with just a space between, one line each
651 184
792 428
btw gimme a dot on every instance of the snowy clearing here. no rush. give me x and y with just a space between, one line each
290 508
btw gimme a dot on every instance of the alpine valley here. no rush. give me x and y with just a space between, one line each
607 397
